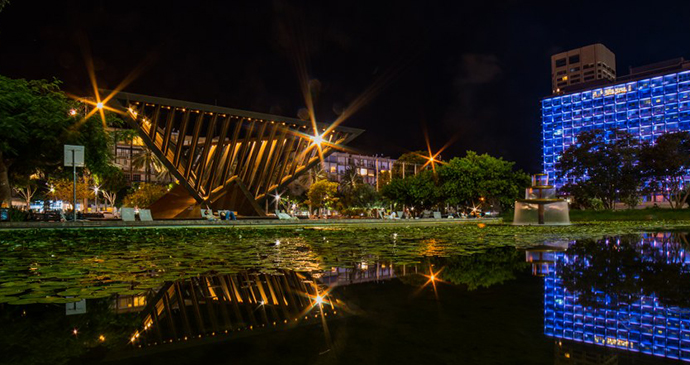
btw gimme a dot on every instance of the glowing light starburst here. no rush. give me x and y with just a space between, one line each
322 137
433 279
99 103
432 159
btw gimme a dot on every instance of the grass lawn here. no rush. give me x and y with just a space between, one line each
648 214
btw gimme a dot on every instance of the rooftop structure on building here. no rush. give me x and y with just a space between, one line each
582 65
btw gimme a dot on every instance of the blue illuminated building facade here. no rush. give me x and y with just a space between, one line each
643 325
644 107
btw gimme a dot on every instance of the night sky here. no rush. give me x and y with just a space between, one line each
470 71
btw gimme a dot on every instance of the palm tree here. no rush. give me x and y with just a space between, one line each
305 180
128 136
351 179
162 172
314 174
146 159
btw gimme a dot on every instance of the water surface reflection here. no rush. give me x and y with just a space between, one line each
612 300
629 293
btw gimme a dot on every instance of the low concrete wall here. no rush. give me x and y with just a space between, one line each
239 223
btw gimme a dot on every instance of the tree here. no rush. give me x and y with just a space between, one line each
3 3
27 192
602 165
111 184
351 178
349 182
127 136
305 180
665 163
418 191
147 160
484 269
163 174
63 189
408 163
476 178
144 195
361 196
322 194
384 179
614 270
36 123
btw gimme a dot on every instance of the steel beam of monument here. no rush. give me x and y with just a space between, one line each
223 158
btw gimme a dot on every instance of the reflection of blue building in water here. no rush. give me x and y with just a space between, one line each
645 325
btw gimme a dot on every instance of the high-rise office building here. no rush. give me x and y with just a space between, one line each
648 102
581 65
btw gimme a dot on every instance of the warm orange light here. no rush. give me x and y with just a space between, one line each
319 300
317 140
101 338
73 112
99 105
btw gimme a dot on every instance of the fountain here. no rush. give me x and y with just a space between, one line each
540 205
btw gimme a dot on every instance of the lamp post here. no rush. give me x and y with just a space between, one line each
95 190
74 156
52 192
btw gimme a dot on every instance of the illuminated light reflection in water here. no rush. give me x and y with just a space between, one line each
626 293
619 299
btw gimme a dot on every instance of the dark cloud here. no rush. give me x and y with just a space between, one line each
477 69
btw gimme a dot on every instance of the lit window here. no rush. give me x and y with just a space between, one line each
140 301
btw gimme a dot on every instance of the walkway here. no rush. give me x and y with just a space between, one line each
256 223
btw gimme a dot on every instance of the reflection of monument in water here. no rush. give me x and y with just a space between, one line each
214 308
540 205
219 307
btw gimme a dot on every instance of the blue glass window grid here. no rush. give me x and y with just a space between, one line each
642 326
626 106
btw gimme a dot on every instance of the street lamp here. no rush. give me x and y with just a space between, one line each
99 105
95 190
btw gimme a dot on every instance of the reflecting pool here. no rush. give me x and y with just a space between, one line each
329 296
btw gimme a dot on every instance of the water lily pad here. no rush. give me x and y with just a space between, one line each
23 301
14 284
70 292
95 295
11 291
